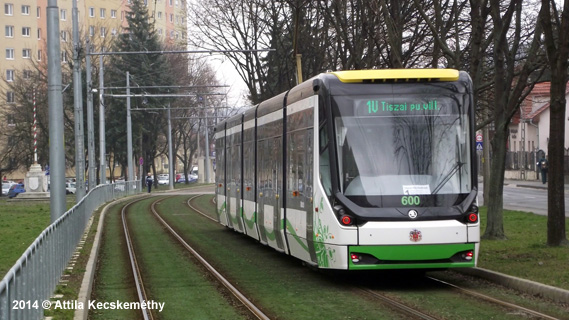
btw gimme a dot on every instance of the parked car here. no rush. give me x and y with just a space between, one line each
194 172
190 179
70 188
6 184
163 179
15 190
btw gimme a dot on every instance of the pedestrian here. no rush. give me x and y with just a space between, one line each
543 166
149 182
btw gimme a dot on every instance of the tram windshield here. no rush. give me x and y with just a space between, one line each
402 145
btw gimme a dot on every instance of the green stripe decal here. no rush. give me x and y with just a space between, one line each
412 256
221 209
270 234
292 232
250 222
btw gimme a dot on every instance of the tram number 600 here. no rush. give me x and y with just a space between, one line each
410 200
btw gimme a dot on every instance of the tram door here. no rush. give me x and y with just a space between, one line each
234 208
271 215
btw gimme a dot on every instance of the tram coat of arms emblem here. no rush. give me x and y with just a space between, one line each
415 235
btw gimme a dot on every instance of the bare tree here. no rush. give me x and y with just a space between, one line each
234 26
556 34
512 83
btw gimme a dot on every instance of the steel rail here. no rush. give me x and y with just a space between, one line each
142 297
199 211
246 302
400 306
492 300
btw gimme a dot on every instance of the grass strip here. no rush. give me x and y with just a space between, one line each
525 253
113 280
278 282
171 274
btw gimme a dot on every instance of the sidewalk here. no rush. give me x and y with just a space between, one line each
534 184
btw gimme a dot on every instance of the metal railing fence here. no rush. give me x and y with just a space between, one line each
34 277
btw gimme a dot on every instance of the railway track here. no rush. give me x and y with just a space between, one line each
395 302
522 311
138 279
140 289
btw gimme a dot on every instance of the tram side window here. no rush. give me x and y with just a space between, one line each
309 162
325 160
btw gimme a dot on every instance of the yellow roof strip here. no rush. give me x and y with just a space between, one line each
397 74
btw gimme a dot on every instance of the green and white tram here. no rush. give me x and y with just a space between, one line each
367 169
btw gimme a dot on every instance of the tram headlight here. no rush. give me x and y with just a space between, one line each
472 216
344 218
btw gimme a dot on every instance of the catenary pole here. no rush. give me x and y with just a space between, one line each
78 107
90 121
171 164
102 149
206 167
129 131
55 101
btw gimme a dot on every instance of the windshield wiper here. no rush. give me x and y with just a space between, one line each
449 175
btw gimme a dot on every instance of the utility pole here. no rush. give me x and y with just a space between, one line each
90 121
171 165
102 148
78 107
129 131
58 204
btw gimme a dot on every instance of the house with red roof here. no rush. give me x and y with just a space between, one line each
529 133
529 128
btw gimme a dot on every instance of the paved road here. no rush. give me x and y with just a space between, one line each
525 196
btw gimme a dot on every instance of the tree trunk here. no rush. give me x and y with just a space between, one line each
556 187
557 48
495 221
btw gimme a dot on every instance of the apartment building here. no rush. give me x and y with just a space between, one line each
25 27
23 42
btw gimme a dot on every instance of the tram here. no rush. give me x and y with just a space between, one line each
357 170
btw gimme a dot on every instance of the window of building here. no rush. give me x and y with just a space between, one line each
27 74
172 17
26 31
102 13
159 14
170 2
39 33
26 53
63 56
114 14
10 53
10 97
40 54
64 36
91 31
103 32
38 12
11 123
9 31
63 14
25 10
9 75
91 12
114 32
9 9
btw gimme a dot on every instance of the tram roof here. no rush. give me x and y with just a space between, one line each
397 74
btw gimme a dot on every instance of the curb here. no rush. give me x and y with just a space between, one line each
526 286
